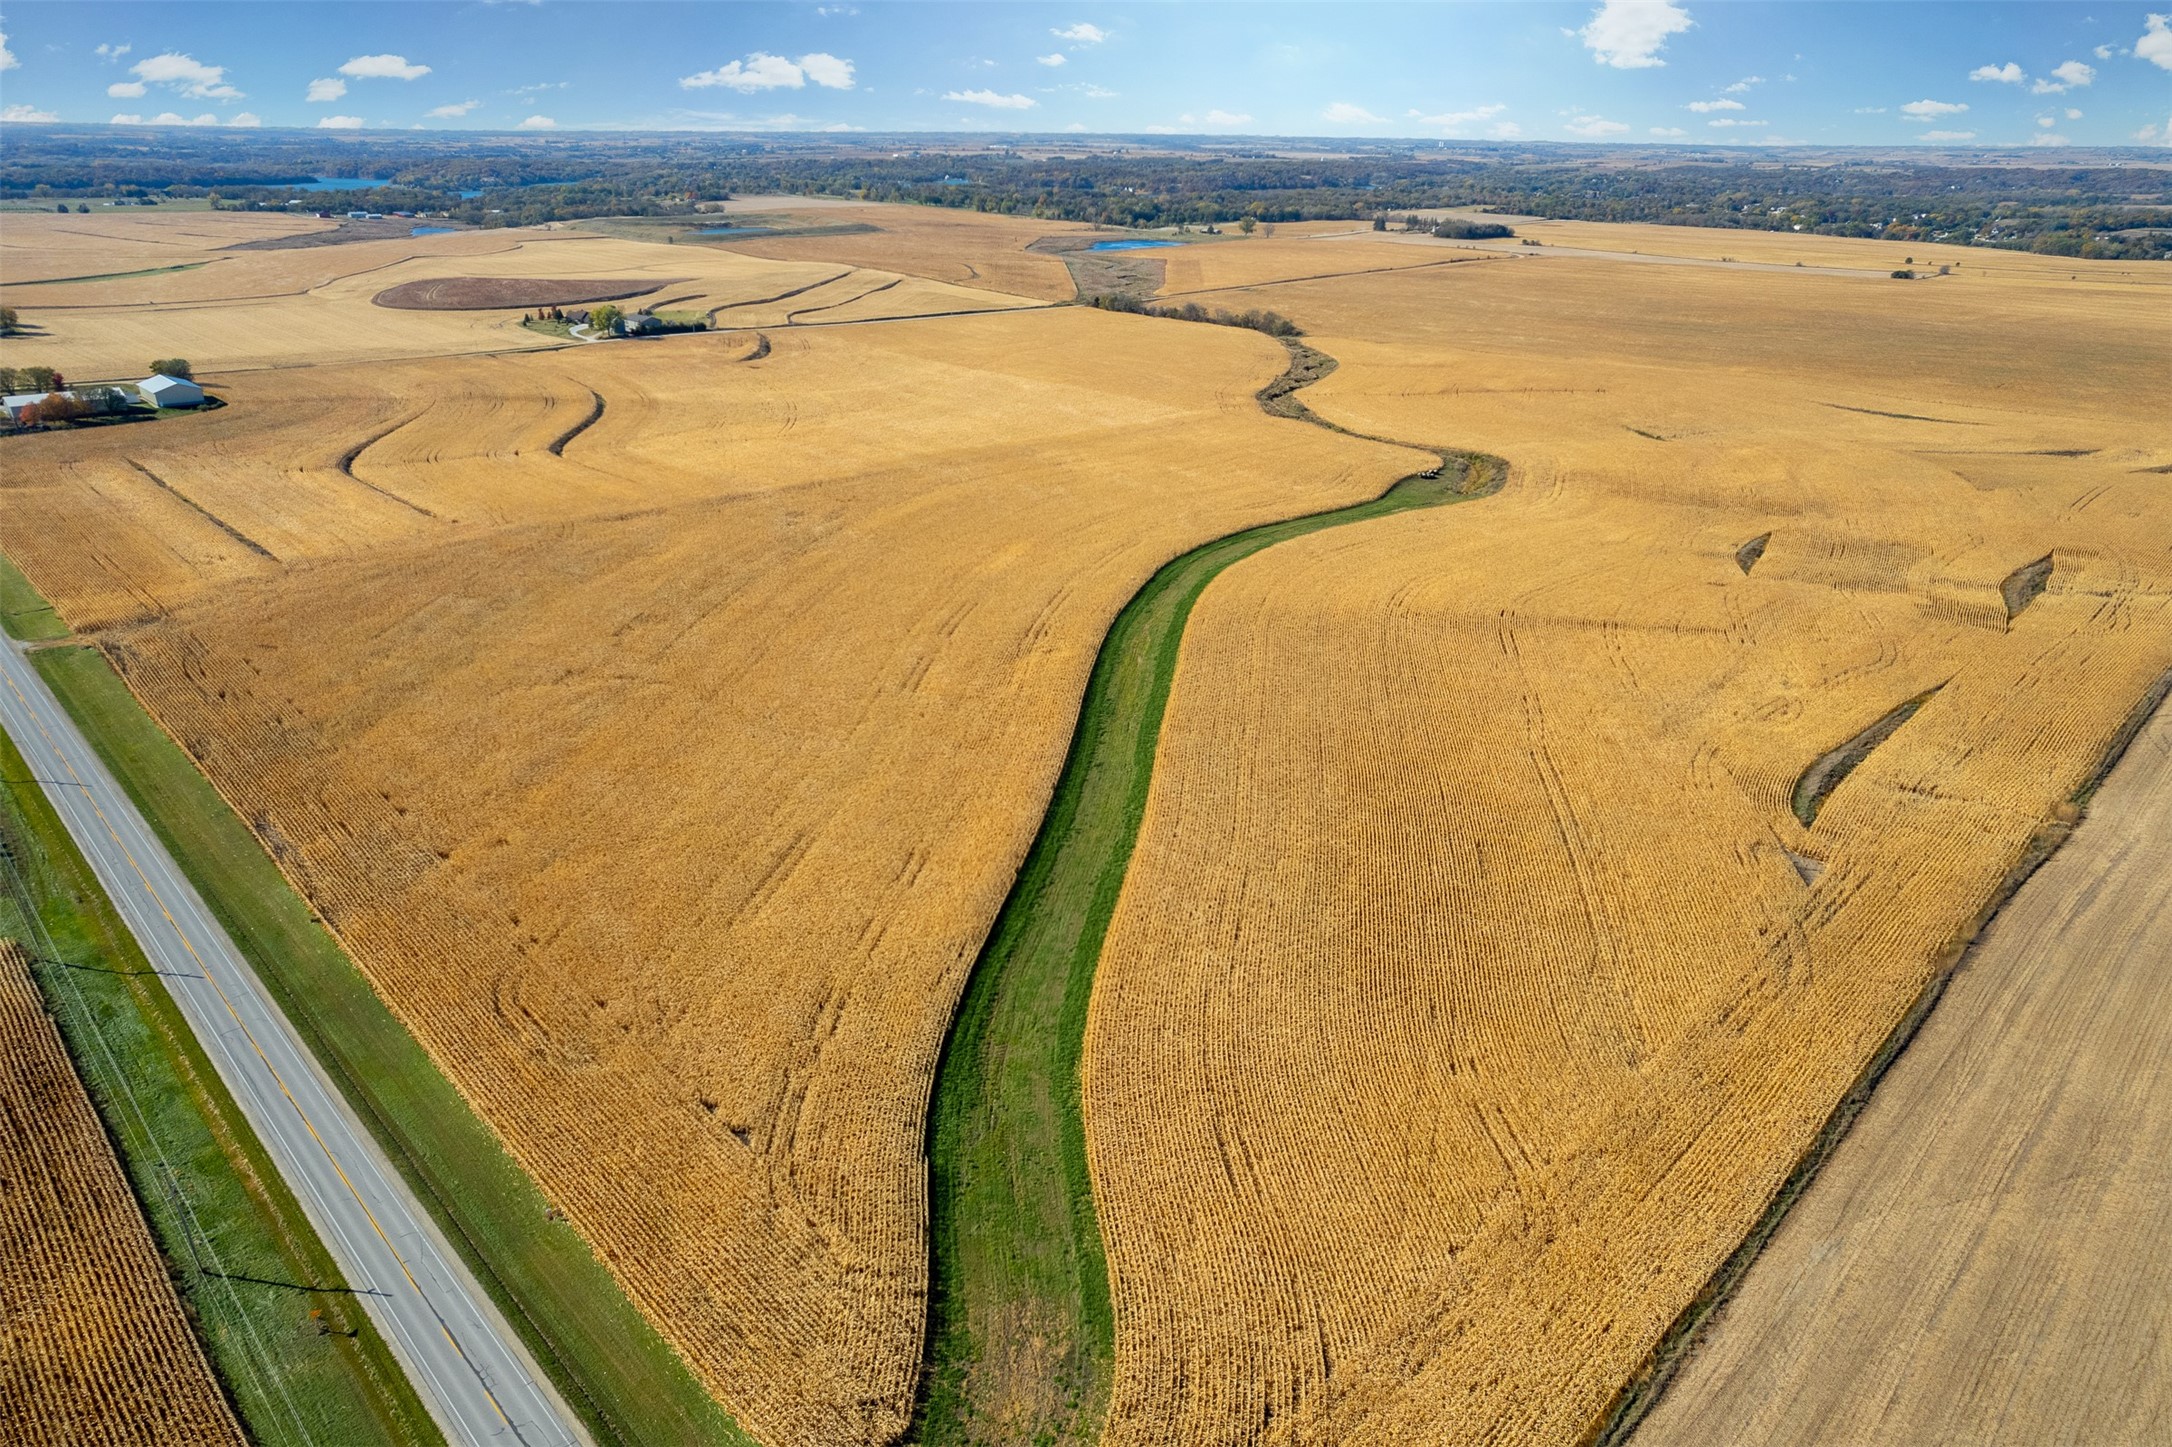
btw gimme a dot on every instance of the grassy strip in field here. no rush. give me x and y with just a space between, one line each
112 275
294 1350
1015 1246
624 1379
24 613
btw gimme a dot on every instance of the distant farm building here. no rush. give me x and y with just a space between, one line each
165 391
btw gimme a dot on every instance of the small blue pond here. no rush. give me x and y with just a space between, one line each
342 183
433 231
1129 245
734 231
471 195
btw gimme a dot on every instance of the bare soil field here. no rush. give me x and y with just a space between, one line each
1474 986
798 640
1982 1259
496 293
95 1350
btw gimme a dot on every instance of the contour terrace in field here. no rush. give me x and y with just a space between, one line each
1469 996
193 285
660 725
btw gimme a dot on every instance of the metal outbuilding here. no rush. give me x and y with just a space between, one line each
165 391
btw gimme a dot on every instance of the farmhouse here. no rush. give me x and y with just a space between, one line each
165 391
19 403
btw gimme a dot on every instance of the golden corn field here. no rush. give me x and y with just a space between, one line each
660 726
1474 985
94 1346
665 784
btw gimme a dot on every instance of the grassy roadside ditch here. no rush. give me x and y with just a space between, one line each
1020 1332
624 1380
293 1349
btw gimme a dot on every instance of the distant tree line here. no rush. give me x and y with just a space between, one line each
2083 211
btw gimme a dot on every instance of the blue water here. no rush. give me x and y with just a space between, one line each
433 231
1129 245
342 183
734 231
471 195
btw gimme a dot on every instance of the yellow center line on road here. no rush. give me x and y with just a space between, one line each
212 979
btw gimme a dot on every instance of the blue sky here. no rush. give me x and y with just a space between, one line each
1742 72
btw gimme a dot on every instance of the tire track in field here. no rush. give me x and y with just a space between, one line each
1020 1338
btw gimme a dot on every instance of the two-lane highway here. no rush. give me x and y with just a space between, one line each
476 1377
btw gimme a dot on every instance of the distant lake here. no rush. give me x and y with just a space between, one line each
433 231
342 183
1129 245
733 231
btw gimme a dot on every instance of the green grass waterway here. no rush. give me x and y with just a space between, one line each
1020 1331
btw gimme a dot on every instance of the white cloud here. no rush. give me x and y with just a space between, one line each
537 123
1342 113
1743 85
383 67
186 74
2007 74
1702 106
1668 131
763 71
167 118
1730 121
1949 135
2074 72
1054 58
339 123
1216 118
2155 46
2156 133
328 89
1081 34
990 98
1453 119
2105 52
452 112
27 114
111 52
1580 124
826 70
125 89
827 11
2047 120
247 120
1629 34
7 56
1099 92
2048 140
1870 110
1931 110
2073 114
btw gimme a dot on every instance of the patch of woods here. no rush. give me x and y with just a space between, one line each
1274 324
1450 228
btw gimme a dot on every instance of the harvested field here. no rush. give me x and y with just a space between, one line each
94 1347
961 248
265 310
487 293
852 588
1982 1258
1431 1066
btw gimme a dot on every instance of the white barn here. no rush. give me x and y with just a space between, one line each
165 391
